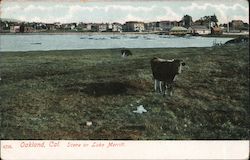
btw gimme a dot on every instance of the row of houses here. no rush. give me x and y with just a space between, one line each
196 30
170 27
173 27
40 27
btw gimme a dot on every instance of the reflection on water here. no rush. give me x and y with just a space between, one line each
101 41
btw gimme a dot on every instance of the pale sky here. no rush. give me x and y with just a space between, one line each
122 10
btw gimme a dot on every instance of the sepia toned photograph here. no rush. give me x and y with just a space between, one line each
124 70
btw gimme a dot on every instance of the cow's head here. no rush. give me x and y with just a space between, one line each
178 65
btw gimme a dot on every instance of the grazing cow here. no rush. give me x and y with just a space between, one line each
126 52
164 73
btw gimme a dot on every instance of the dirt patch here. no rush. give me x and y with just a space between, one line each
108 88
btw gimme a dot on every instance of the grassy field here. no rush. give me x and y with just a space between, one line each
52 94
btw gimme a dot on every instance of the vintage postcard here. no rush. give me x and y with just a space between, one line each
153 76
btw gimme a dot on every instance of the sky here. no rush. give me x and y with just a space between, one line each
99 11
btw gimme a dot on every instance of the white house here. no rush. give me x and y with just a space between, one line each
116 27
102 27
84 26
14 29
201 30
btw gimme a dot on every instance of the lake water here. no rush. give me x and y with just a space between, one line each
101 41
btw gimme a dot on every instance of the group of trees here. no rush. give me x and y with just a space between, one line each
206 20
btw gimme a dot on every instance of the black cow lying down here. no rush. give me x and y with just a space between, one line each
126 52
164 73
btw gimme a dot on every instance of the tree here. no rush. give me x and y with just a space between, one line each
187 21
214 18
208 21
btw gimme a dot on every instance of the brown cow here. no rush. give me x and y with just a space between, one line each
164 73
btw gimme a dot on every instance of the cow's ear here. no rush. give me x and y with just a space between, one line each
183 63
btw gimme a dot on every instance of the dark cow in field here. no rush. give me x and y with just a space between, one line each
126 52
164 73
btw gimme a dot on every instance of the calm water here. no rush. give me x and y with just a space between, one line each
77 41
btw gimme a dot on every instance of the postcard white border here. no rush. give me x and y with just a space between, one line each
218 149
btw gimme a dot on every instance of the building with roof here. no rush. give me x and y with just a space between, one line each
84 27
178 30
216 30
116 27
152 26
199 29
134 26
14 29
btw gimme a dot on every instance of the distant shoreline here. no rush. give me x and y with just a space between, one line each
110 33
77 33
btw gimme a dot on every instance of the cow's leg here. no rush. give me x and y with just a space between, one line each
159 90
160 85
155 85
123 54
164 86
170 89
